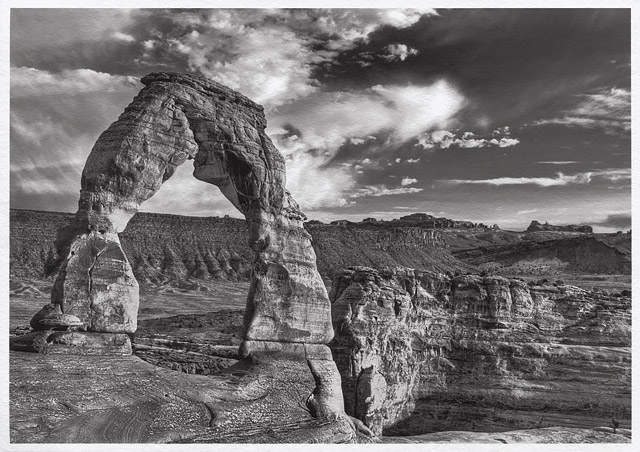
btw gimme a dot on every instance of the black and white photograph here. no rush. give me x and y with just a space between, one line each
341 224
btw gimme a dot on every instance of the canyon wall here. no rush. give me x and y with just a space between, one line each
421 352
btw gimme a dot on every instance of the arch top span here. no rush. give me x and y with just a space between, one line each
177 117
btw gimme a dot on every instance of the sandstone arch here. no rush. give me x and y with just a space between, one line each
176 117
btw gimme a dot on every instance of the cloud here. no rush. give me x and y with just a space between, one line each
312 184
613 175
525 212
267 54
382 190
118 36
618 221
55 120
444 139
408 181
346 27
608 109
397 52
327 120
27 82
559 162
504 142
413 160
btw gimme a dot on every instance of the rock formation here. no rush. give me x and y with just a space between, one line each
419 220
536 226
174 118
422 351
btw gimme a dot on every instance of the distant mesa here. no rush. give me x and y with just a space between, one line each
536 226
419 220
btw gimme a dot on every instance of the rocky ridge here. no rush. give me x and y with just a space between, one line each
165 248
536 226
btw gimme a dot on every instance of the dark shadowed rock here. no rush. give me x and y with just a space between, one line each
47 310
61 322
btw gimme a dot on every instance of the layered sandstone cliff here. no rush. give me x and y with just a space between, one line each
421 352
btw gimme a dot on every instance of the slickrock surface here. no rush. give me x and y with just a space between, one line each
107 399
549 435
421 352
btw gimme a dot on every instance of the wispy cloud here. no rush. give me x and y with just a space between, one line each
561 162
382 190
27 82
609 109
561 179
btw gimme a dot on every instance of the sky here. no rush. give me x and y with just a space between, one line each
499 116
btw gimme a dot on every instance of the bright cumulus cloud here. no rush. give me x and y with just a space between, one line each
444 139
399 52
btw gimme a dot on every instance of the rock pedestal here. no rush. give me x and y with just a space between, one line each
96 284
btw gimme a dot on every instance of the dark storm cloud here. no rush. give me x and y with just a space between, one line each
617 221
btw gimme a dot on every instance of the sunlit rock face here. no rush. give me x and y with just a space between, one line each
174 118
424 351
97 285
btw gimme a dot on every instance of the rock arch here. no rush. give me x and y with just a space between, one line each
176 117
